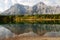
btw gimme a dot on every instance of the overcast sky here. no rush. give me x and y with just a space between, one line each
5 4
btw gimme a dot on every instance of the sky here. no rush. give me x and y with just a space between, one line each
5 4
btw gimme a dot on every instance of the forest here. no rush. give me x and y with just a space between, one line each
42 19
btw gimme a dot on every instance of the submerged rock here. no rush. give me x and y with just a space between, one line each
52 34
28 34
5 33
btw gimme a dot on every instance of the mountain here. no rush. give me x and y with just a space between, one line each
42 8
39 8
0 12
16 9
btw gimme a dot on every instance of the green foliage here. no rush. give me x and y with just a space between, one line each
42 19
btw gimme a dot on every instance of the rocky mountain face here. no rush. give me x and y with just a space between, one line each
39 8
17 9
42 8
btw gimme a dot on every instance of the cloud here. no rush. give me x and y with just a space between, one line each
1 9
51 2
14 1
25 2
6 1
5 4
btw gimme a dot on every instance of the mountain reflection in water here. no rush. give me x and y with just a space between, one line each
37 28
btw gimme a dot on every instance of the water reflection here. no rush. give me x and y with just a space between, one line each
37 28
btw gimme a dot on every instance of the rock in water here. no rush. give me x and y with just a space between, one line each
28 34
5 33
52 34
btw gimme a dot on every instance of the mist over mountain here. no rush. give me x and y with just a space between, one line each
39 8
